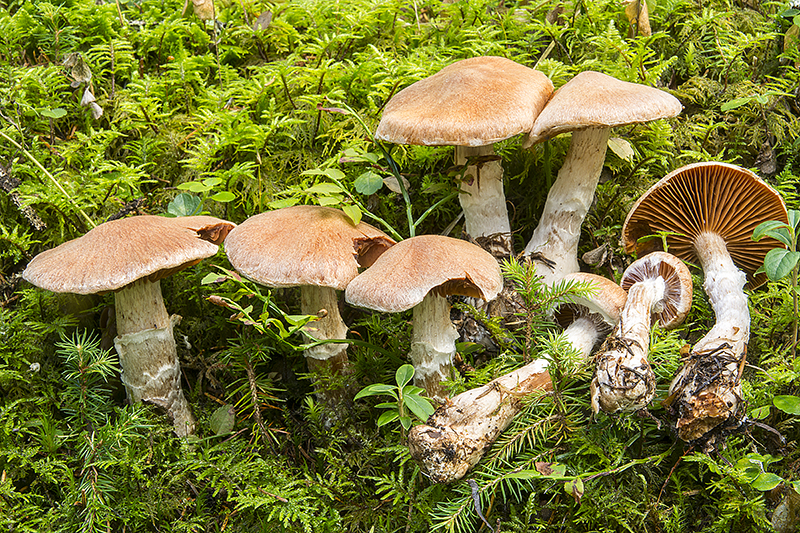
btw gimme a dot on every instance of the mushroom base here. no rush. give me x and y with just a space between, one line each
623 379
458 434
151 373
707 390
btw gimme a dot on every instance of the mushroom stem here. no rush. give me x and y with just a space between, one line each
457 435
559 230
147 352
482 198
623 380
324 301
433 345
707 390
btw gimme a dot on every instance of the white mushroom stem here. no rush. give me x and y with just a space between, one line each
482 197
147 353
623 379
458 434
707 389
559 230
324 301
433 345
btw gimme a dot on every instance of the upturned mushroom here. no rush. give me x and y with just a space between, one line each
130 256
420 273
588 105
659 288
707 212
460 432
471 104
318 249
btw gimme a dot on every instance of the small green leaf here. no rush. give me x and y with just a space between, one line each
368 183
212 182
794 219
405 421
286 202
223 196
575 489
787 404
524 474
193 186
212 277
324 188
387 417
767 229
760 412
184 205
418 405
330 172
352 212
738 102
404 375
223 420
53 113
779 263
375 389
326 201
766 481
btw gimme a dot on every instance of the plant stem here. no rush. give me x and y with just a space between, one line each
52 178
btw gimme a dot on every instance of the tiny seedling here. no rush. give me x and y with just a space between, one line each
782 262
407 398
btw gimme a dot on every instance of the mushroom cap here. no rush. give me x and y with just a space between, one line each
402 277
596 100
472 102
707 197
119 252
607 301
677 280
304 245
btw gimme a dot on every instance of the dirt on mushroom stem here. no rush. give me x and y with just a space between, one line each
707 390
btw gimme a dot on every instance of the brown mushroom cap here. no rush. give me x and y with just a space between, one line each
678 285
707 197
402 277
117 253
596 100
607 301
472 102
304 245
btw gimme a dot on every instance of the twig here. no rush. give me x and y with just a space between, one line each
50 176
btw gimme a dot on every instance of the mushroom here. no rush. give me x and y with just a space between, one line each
588 105
318 249
707 213
471 104
659 290
420 273
130 256
457 435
